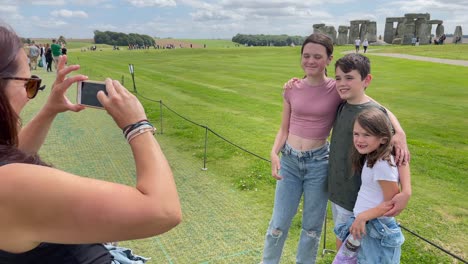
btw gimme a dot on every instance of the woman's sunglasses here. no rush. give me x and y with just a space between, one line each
32 85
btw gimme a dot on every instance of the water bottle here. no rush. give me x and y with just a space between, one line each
348 251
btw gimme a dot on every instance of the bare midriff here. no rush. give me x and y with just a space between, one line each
304 144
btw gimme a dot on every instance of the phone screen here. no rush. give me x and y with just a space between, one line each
88 93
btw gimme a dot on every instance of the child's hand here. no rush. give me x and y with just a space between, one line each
294 82
402 154
358 228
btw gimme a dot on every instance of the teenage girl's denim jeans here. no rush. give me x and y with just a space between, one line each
303 172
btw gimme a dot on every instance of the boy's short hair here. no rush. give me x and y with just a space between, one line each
354 61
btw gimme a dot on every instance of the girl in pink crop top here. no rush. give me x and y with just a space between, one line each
309 110
313 108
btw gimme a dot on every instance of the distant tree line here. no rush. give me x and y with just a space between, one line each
61 39
268 40
122 39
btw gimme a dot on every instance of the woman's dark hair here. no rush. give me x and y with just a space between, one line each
10 45
321 39
376 123
11 154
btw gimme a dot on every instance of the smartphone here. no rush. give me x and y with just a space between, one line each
87 93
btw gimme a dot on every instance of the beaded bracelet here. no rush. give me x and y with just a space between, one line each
143 129
136 126
127 128
133 130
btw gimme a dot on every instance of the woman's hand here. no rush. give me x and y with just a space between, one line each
122 105
58 101
275 166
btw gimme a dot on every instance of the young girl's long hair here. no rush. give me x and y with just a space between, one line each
376 123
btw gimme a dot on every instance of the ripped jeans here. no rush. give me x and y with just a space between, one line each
303 172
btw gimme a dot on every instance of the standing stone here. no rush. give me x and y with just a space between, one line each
425 33
353 32
408 32
389 31
372 31
331 32
417 25
363 31
439 30
458 34
400 29
318 28
412 25
342 35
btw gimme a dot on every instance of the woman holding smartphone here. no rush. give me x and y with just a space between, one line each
52 216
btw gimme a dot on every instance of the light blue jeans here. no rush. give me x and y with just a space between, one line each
303 172
381 245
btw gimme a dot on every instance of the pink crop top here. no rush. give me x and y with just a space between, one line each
313 109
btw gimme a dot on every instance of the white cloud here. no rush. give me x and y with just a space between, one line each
149 3
8 8
89 3
48 24
204 15
48 2
68 13
103 27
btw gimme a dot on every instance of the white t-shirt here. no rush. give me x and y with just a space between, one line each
357 42
370 195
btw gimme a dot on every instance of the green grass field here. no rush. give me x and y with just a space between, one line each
237 93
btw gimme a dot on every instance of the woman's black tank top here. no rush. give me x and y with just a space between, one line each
47 253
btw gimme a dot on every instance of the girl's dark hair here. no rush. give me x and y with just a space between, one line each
11 154
321 39
376 123
10 46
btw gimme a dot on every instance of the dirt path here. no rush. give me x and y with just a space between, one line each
419 58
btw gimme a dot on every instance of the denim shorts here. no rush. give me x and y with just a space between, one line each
340 215
382 242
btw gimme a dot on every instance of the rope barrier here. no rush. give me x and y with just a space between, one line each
262 158
433 244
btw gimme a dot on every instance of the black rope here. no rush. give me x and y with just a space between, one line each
444 250
183 117
237 146
260 157
203 126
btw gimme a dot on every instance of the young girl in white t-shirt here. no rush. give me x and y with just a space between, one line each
381 237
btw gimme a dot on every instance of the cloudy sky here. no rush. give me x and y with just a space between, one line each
210 19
